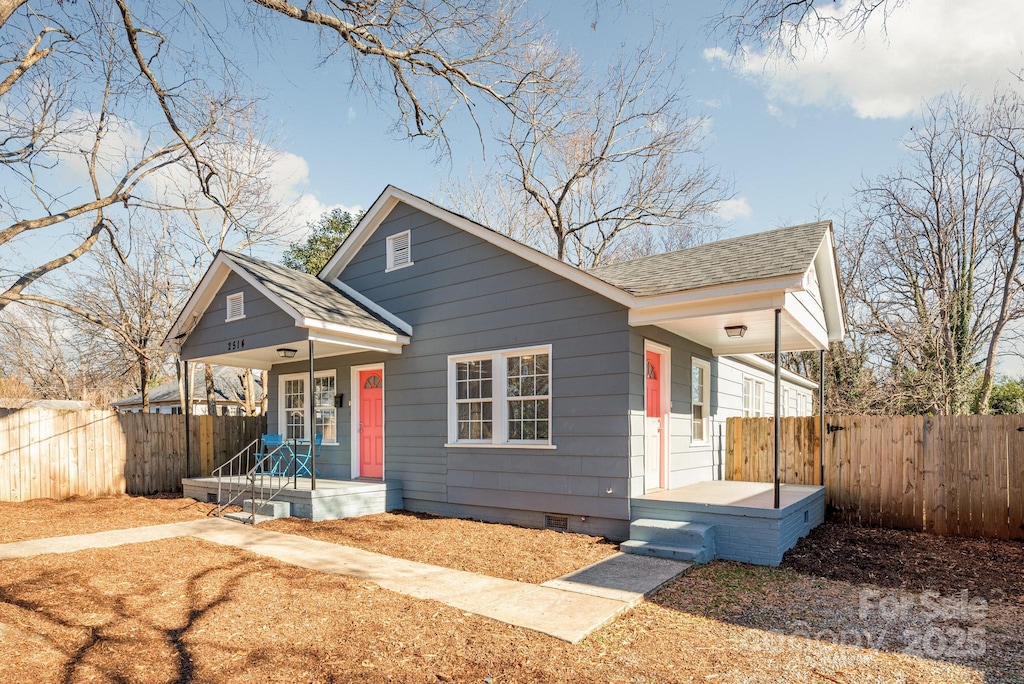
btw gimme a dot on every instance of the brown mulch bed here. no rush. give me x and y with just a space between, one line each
185 610
914 561
41 518
506 551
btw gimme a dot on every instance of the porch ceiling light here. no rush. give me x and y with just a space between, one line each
286 353
735 330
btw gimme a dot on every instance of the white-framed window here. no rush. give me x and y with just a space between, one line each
399 250
500 398
806 408
700 400
753 397
293 409
235 307
790 402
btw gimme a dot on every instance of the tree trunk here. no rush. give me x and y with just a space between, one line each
211 391
249 387
144 381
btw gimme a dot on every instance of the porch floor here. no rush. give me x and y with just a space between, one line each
746 525
734 494
332 499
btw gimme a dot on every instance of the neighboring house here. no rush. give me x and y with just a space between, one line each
493 381
52 404
228 388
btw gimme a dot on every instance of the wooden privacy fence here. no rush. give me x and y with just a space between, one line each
955 475
59 454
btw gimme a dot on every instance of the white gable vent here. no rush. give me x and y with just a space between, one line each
399 249
236 307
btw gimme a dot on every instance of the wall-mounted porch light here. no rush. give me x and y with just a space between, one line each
286 353
735 330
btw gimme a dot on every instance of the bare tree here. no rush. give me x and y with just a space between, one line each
942 254
129 298
785 28
422 58
46 353
592 162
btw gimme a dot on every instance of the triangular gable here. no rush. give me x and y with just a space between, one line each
223 265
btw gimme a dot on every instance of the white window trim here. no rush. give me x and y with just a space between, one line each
390 252
307 408
240 296
499 401
705 400
756 409
354 404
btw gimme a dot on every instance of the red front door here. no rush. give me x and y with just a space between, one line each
653 423
371 424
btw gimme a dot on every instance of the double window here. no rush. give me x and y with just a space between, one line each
294 415
753 397
501 397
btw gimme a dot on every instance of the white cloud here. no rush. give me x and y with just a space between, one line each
732 209
351 114
920 50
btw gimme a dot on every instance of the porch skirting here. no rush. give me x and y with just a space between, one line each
332 499
746 526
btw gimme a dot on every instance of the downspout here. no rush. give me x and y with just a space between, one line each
778 398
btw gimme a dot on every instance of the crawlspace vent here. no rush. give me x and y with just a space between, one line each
556 522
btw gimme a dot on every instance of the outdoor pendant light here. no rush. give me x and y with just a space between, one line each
735 330
286 353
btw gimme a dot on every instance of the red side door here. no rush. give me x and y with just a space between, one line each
371 424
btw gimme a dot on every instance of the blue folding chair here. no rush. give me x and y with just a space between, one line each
303 460
268 444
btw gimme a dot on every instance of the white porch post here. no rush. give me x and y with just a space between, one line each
778 397
312 421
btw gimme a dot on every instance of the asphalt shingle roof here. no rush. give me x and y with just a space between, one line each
786 251
310 296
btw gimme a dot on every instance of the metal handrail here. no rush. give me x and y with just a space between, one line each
237 467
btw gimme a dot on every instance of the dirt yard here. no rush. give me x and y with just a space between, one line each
509 552
48 518
183 610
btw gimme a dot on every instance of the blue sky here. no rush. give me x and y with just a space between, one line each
794 138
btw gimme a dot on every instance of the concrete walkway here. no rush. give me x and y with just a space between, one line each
568 608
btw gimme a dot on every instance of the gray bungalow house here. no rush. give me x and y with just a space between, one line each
470 375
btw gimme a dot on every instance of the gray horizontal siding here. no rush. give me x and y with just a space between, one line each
264 323
463 294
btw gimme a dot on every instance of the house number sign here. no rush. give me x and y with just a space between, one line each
235 345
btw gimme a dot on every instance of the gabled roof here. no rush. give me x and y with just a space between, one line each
705 281
312 297
226 382
781 252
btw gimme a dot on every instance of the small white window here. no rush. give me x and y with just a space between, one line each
753 398
700 400
500 398
236 306
399 251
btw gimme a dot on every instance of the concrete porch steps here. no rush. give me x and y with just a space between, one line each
244 518
678 540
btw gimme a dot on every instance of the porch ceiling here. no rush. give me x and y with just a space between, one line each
265 357
705 323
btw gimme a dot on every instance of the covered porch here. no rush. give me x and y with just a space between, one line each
250 313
